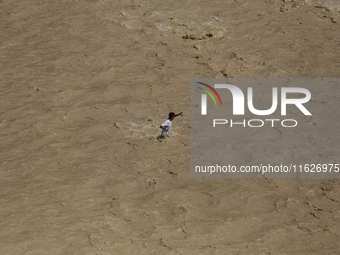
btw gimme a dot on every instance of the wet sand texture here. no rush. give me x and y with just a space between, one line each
84 87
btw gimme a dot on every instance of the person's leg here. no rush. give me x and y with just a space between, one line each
161 138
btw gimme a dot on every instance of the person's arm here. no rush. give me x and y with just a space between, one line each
164 128
178 114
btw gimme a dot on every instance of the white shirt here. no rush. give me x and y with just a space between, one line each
166 124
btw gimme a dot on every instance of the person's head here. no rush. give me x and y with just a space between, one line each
171 116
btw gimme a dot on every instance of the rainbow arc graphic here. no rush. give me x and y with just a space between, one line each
208 92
